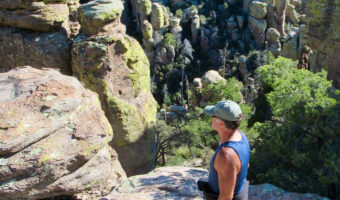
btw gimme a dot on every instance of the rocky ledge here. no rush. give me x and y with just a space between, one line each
180 183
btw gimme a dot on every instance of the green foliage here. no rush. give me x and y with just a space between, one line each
224 90
225 6
179 13
270 58
299 147
169 40
192 137
203 19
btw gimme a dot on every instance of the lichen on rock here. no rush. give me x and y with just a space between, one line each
56 137
36 16
94 15
157 16
115 66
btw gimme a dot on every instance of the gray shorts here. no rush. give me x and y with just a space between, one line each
243 195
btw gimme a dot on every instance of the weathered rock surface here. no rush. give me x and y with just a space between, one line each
74 24
257 28
211 76
53 137
115 66
19 47
147 30
141 9
175 28
292 14
258 9
162 183
273 40
95 16
179 110
43 16
180 183
157 16
290 46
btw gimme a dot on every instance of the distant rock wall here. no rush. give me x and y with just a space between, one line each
313 25
322 35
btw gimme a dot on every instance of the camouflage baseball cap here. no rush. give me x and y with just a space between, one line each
227 110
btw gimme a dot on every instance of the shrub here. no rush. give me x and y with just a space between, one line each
298 148
229 90
193 137
179 13
225 6
203 19
169 39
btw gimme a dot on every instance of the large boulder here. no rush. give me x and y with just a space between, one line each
211 77
19 47
96 16
115 66
53 137
258 9
45 16
180 183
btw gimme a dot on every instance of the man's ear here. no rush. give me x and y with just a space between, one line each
221 122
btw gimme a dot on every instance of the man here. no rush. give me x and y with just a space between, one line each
229 164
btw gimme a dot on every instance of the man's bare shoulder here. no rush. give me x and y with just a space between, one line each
227 157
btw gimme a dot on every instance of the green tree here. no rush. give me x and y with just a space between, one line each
192 137
169 39
298 148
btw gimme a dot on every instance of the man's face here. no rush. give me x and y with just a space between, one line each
215 122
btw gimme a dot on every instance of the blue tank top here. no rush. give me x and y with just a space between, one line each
242 148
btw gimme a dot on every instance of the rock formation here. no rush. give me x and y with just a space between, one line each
200 90
37 33
53 137
42 34
258 27
180 183
273 41
291 46
43 16
321 34
114 65
21 47
157 16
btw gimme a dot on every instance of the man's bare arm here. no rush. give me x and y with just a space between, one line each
227 165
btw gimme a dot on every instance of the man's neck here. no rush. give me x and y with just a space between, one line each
228 135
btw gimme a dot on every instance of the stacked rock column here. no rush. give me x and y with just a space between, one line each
114 65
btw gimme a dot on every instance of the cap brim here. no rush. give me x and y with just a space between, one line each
209 110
